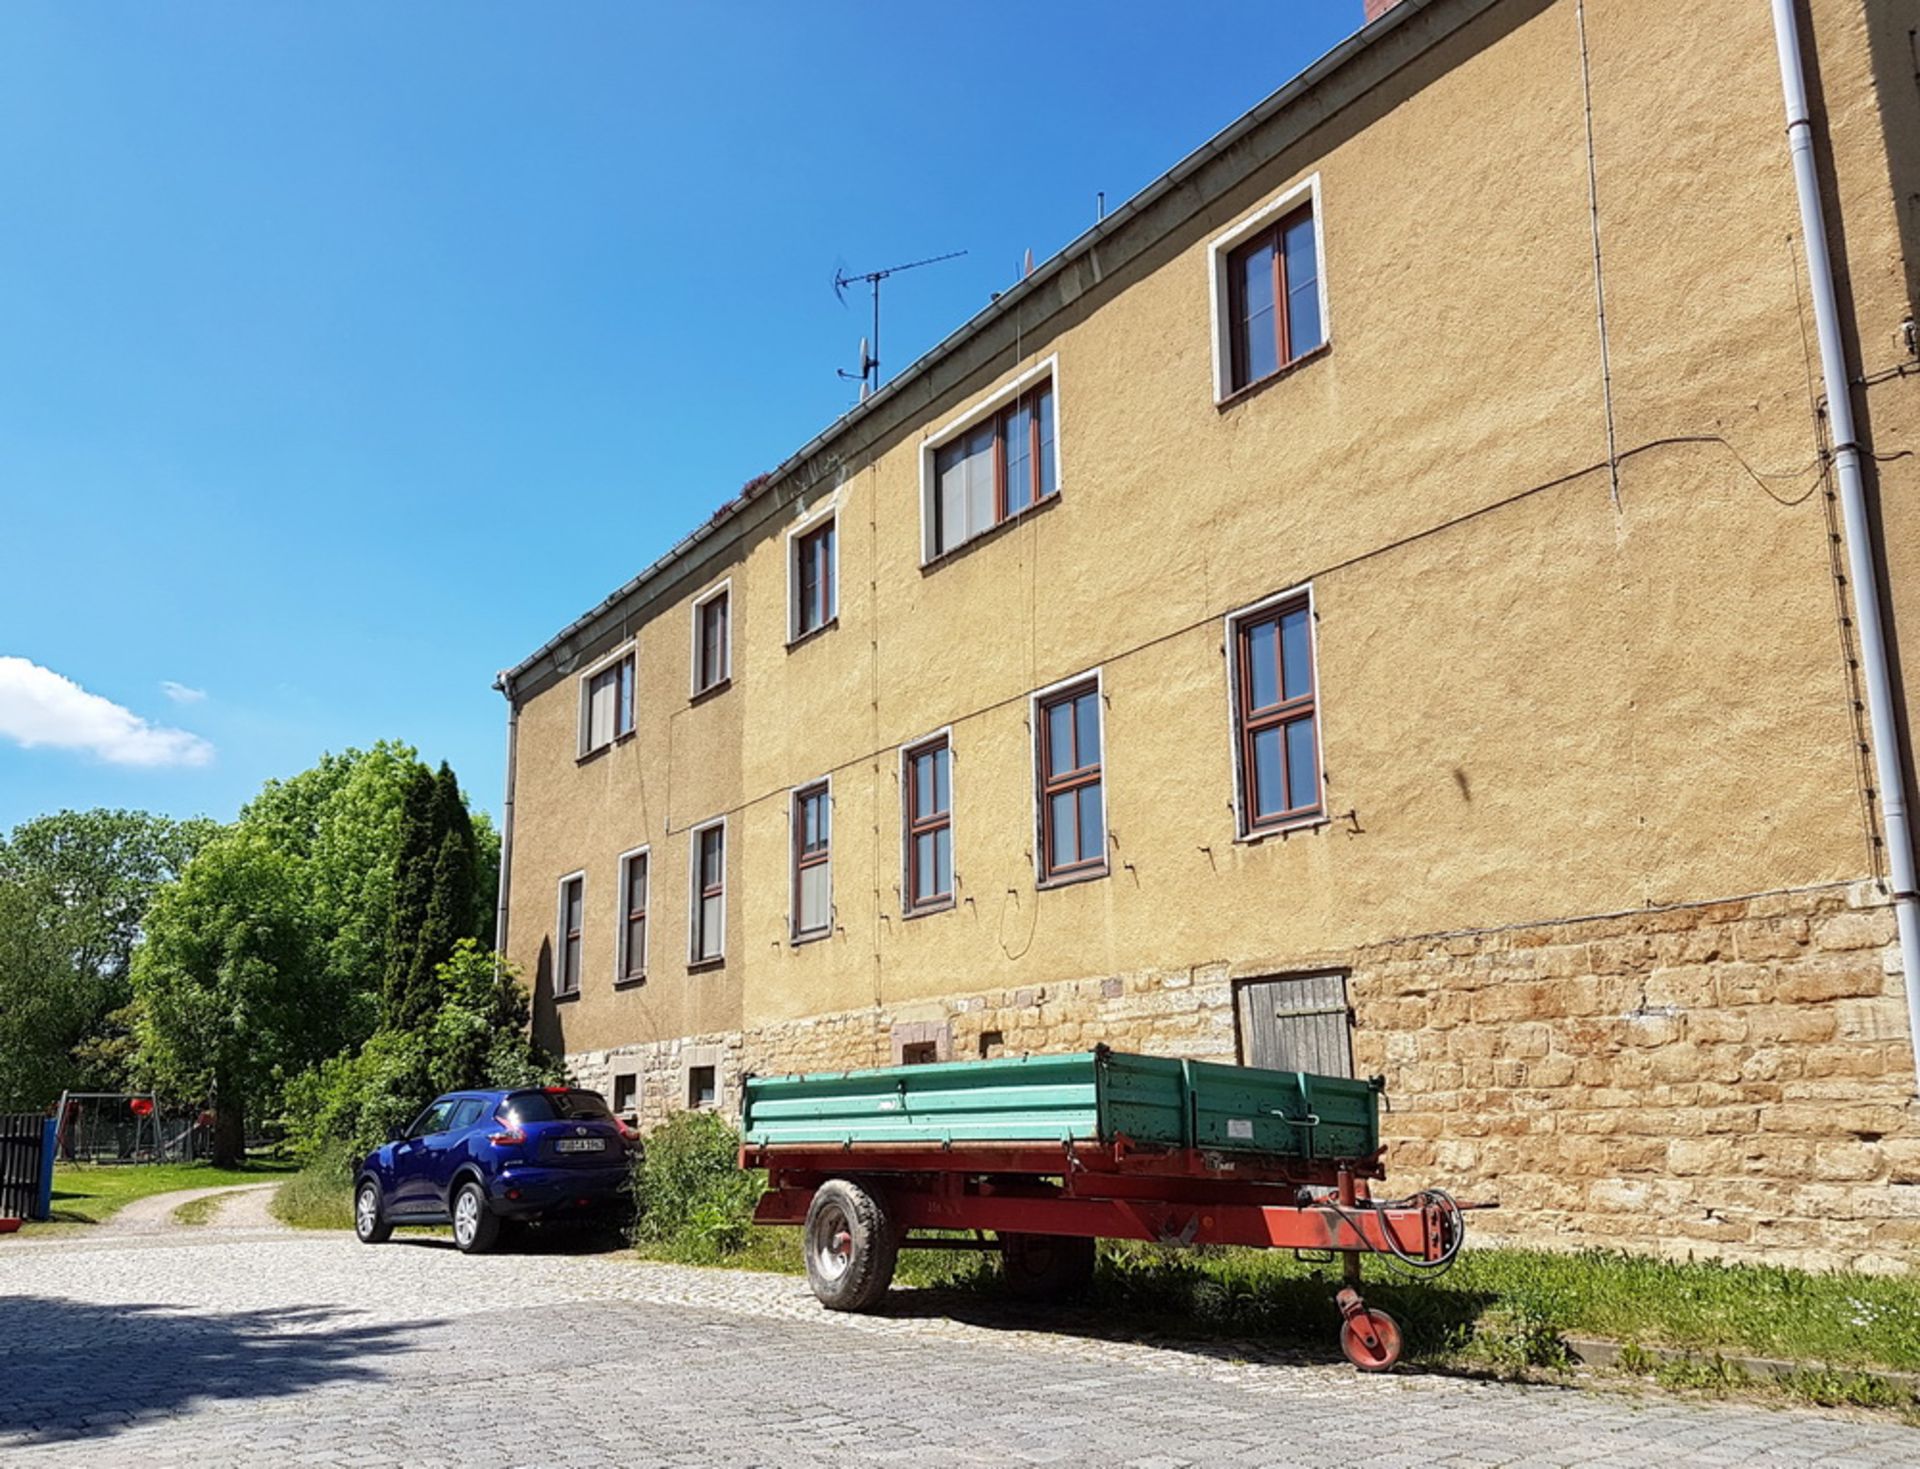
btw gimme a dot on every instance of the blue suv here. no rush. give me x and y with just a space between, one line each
476 1159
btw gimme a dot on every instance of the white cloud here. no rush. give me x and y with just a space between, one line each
181 693
40 707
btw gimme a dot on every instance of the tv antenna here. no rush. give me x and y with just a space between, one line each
869 374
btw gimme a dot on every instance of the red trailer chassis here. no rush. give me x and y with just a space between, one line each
861 1203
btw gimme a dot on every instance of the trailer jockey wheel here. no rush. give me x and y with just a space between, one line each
1369 1337
851 1246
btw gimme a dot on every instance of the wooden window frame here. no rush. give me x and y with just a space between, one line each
1231 245
629 653
1239 346
1245 722
624 972
563 935
697 686
913 826
803 860
799 538
698 893
1046 786
1044 375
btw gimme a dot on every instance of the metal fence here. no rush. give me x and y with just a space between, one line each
26 1165
115 1127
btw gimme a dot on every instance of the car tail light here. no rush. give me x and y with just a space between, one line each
627 1134
511 1138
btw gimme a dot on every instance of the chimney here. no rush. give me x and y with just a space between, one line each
1378 8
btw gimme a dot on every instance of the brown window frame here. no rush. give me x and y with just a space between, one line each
1048 785
629 915
1250 722
570 966
806 858
917 826
706 679
701 891
825 605
1239 374
1001 418
695 1102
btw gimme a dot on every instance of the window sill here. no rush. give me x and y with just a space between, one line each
1254 389
631 982
813 632
1068 879
992 532
702 966
928 909
711 691
565 997
798 940
598 750
1284 828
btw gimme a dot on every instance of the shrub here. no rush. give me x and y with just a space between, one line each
690 1195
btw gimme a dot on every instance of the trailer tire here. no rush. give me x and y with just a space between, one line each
1046 1267
851 1246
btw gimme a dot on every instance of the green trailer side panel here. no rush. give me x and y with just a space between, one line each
1088 1095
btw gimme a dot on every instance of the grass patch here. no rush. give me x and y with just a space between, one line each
88 1193
196 1212
319 1196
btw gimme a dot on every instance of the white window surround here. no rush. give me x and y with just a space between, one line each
693 892
620 911
794 933
560 932
1229 629
907 910
1034 700
630 648
828 510
1223 244
724 589
984 408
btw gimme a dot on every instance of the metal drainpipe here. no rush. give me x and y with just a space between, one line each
505 685
1853 509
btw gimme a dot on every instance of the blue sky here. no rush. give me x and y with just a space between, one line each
349 350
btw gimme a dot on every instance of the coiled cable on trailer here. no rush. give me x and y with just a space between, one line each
1453 1229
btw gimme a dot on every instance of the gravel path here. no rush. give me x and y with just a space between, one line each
245 1207
208 1347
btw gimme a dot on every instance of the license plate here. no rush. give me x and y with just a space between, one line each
581 1145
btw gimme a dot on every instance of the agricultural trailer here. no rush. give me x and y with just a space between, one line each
1048 1154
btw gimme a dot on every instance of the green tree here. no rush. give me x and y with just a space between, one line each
223 981
73 888
437 898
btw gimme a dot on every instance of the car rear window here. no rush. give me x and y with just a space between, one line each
556 1106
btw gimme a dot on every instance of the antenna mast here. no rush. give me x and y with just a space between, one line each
869 374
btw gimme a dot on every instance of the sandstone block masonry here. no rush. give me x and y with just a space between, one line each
1730 1079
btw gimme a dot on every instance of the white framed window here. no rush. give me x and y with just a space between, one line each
813 574
636 901
713 638
569 933
926 824
994 462
810 817
707 892
1070 780
606 700
1268 290
1273 709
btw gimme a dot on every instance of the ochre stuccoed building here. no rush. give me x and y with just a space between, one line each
1292 625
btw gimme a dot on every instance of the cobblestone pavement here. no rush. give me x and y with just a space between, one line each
198 1349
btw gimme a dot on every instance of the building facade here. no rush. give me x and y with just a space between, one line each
1376 601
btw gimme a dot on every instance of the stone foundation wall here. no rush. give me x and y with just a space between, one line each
1730 1079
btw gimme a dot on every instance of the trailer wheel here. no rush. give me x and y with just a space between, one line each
1382 1352
851 1246
1046 1267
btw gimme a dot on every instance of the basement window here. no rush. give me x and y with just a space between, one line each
702 1090
626 1093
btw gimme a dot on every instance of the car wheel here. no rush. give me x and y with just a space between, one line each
851 1246
370 1220
475 1226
